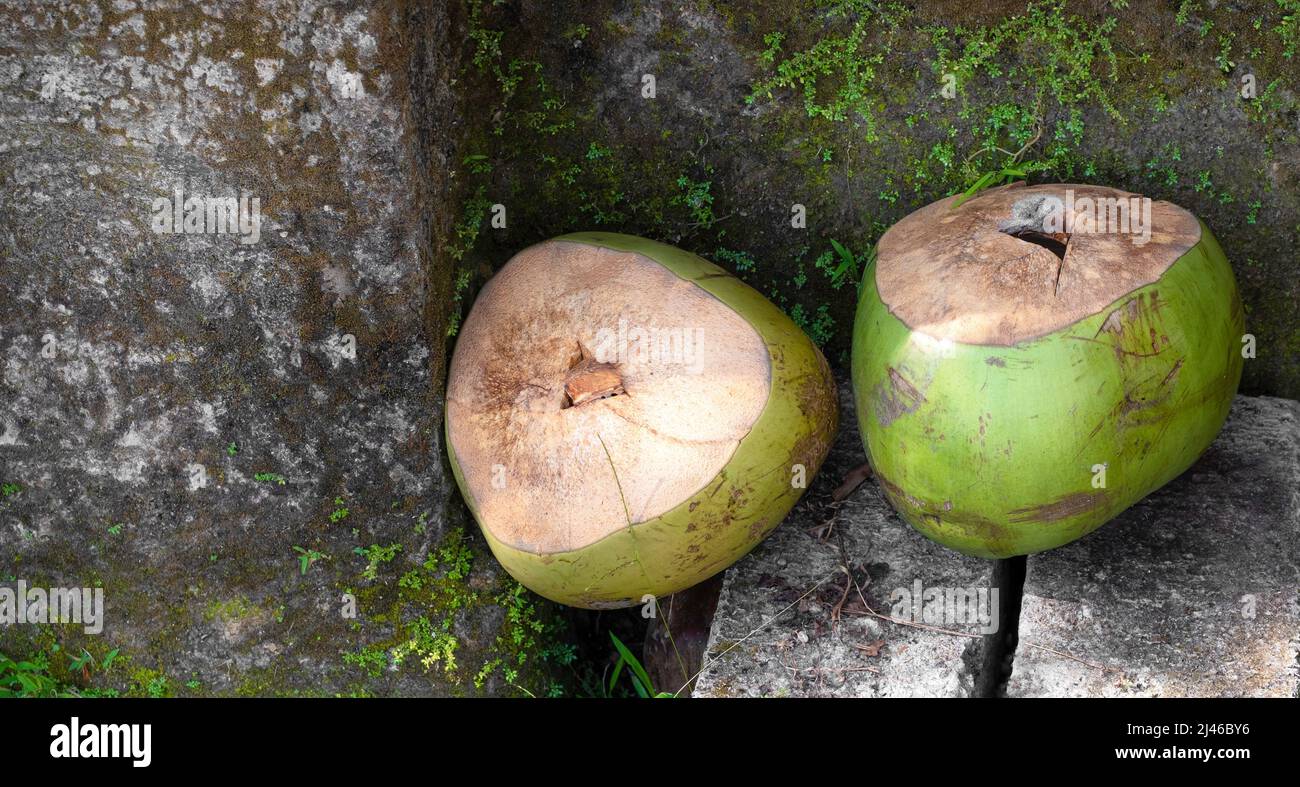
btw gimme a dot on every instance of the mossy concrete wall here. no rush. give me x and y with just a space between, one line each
240 442
863 111
156 390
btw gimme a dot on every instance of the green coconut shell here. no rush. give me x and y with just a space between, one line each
727 517
994 450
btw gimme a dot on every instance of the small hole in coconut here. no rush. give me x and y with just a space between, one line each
1056 242
1029 222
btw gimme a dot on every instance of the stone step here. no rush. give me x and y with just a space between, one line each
1192 592
776 631
1189 593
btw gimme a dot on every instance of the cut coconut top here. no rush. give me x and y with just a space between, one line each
1019 262
592 389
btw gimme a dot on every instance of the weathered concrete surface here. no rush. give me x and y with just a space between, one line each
775 632
180 412
1192 592
840 106
168 349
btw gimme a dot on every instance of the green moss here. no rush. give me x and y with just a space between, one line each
454 617
835 119
835 76
149 683
231 609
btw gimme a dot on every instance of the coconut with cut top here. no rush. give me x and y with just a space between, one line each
625 419
1032 361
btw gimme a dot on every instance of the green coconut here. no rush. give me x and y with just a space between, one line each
1030 362
625 419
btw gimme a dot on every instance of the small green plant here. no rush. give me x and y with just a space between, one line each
772 43
742 261
478 164
527 635
376 554
82 663
834 76
9 490
454 555
1253 216
1289 28
372 659
157 687
30 678
696 196
635 672
841 267
820 328
115 530
232 449
429 644
1007 174
1011 170
467 230
463 277
340 511
271 478
306 557
1224 59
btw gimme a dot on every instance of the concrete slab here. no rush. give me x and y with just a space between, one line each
181 411
1192 592
776 631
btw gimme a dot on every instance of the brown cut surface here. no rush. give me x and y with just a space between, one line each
952 273
592 388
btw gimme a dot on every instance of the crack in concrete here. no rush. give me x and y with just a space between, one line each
1000 646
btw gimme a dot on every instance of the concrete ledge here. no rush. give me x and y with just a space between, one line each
1192 592
775 632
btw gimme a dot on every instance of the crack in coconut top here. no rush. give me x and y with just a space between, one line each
999 269
592 389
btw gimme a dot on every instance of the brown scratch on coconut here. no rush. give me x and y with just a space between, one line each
1063 508
897 399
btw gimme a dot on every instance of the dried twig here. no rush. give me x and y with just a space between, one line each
710 662
1064 655
839 605
852 480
